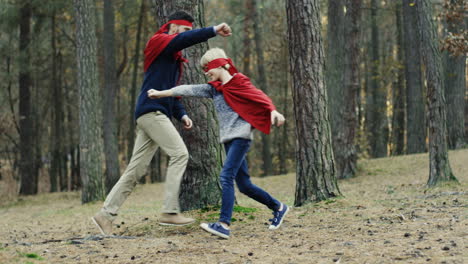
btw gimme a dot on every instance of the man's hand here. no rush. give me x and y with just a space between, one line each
275 115
223 29
187 122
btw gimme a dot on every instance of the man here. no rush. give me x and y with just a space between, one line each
163 68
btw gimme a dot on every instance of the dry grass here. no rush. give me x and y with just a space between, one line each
387 215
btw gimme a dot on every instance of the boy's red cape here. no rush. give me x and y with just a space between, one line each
245 99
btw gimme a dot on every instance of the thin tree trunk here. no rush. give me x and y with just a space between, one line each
334 76
398 118
415 116
89 99
133 90
111 146
27 166
439 165
315 168
284 139
263 85
378 114
199 187
455 87
248 20
347 155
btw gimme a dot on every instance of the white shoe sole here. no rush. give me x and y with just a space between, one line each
100 229
169 224
272 227
214 232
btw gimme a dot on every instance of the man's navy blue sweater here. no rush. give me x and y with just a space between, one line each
164 73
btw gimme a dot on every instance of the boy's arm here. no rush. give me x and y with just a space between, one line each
189 38
195 90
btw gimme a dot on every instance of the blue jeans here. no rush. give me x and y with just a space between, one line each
235 168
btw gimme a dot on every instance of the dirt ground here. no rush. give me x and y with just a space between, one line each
387 215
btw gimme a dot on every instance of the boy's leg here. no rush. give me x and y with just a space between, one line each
143 151
248 188
161 130
235 150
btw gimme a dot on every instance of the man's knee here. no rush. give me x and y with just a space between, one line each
181 156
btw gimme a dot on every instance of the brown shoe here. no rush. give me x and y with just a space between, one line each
175 219
104 224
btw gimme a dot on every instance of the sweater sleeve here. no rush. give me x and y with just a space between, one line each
178 109
195 90
189 38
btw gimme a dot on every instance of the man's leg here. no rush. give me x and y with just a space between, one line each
143 151
162 131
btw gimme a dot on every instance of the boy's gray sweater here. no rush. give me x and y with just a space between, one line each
231 125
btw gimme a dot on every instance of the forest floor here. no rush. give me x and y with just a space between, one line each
387 215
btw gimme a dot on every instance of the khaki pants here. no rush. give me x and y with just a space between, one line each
153 130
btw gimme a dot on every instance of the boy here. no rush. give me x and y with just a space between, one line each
240 108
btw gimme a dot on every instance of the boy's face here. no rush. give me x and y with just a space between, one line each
215 74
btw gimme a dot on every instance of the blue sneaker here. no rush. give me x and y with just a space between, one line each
216 229
278 217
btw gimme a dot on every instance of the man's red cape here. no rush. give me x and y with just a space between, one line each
245 99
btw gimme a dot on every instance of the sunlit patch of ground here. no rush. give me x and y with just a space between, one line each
387 215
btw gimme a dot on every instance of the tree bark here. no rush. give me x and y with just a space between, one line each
334 76
133 90
248 20
315 168
111 146
346 157
27 168
455 87
89 100
58 163
200 186
439 165
415 112
263 85
398 94
378 126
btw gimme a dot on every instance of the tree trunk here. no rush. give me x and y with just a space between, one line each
334 76
27 166
415 116
248 20
284 139
378 114
455 87
347 155
398 117
111 146
262 84
89 100
133 90
439 165
200 186
315 168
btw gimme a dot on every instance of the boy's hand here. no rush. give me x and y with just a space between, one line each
223 29
275 115
154 94
187 122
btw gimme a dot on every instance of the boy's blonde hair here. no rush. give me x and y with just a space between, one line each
212 54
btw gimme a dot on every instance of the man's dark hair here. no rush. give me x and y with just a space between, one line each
181 15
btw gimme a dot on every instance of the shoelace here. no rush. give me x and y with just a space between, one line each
275 217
